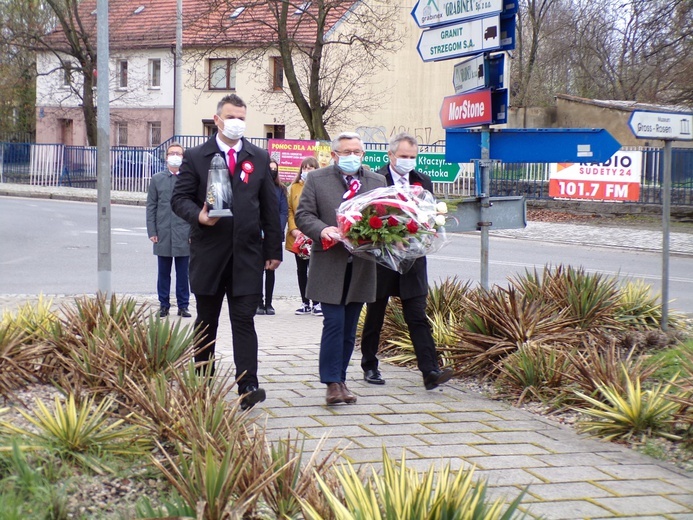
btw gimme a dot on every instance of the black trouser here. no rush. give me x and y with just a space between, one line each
302 273
269 286
414 310
245 346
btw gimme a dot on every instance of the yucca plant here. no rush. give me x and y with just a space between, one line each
295 482
401 492
214 480
535 370
19 360
639 308
32 319
633 415
172 507
448 297
599 362
81 433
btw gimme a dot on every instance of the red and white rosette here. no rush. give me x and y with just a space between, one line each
246 169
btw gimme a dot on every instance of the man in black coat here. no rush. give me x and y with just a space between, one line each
228 254
411 287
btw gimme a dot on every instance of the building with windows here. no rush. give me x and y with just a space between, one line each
408 93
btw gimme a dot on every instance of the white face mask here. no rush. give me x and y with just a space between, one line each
304 174
174 161
233 128
404 166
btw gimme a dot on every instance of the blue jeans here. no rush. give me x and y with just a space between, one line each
163 284
337 342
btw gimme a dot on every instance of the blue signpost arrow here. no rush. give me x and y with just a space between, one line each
533 145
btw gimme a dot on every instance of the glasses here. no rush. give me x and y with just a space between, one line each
176 153
358 153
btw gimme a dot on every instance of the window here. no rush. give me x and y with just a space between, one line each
121 134
237 12
155 73
222 74
122 73
154 133
67 74
303 8
277 73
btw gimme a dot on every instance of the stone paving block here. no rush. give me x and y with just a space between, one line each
449 439
448 427
388 440
511 449
345 432
456 450
686 500
643 471
295 422
296 411
640 487
505 462
476 416
567 510
507 477
473 404
510 437
374 456
573 459
567 446
569 474
396 418
398 429
523 425
338 420
646 505
566 491
412 407
684 481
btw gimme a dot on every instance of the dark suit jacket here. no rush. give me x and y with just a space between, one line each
238 238
415 281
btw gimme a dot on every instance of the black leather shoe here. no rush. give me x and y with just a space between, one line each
163 312
183 311
251 396
373 377
269 310
437 377
260 311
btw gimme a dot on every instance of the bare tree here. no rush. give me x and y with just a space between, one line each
60 28
326 49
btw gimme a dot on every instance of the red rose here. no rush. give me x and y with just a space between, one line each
392 221
346 226
375 222
380 210
417 184
412 226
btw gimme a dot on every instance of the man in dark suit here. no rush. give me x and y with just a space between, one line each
411 287
228 254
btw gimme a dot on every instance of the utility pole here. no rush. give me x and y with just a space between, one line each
103 151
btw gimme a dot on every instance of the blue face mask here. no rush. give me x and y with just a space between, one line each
349 164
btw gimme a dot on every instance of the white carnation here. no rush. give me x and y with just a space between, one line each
440 220
442 207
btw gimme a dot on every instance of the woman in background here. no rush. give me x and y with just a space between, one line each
308 164
266 307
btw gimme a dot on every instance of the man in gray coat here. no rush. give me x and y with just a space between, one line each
170 235
340 281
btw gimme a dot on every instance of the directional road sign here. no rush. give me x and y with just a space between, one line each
661 125
480 107
467 38
482 71
432 164
429 13
546 145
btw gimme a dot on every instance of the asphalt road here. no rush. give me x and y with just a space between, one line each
50 247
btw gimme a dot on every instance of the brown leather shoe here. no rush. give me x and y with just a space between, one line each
335 395
347 395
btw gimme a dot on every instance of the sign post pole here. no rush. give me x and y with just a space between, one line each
666 215
484 223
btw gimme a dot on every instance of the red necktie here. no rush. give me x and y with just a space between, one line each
232 161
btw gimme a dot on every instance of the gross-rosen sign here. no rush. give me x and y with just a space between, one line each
470 109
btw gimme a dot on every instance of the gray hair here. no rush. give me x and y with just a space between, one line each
343 136
231 99
403 136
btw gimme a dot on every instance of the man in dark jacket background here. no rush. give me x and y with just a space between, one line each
411 287
227 254
170 235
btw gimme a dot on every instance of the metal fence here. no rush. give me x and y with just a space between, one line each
132 169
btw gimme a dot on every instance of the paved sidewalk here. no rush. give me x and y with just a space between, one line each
569 476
